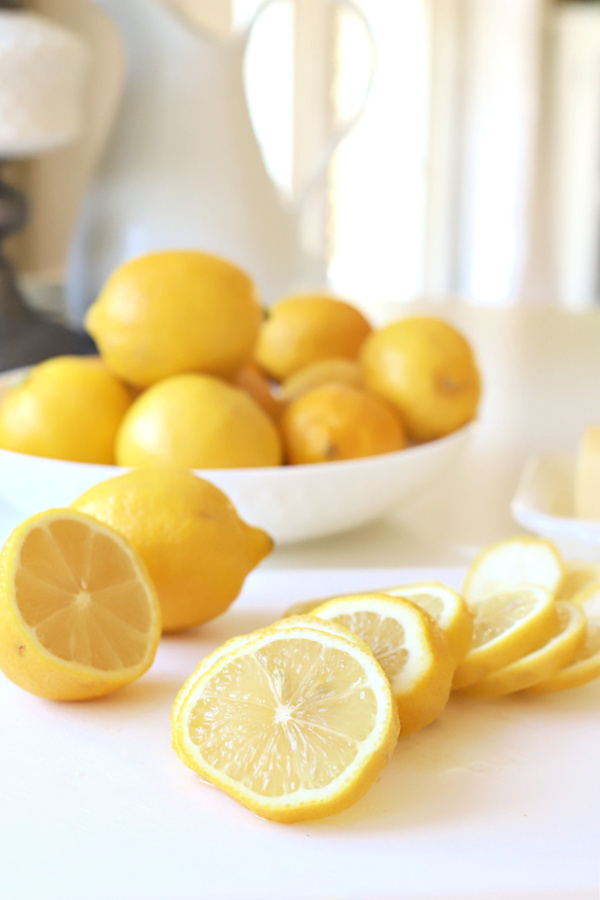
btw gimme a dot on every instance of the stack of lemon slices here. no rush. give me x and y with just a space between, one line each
298 719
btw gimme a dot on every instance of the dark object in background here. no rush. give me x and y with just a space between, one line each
26 337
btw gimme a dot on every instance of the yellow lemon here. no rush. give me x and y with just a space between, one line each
196 547
175 311
68 407
79 616
251 379
294 724
198 422
508 624
323 371
521 559
539 664
303 328
336 421
408 644
427 369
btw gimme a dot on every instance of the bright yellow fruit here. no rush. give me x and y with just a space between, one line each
251 379
585 664
408 644
294 724
336 421
508 624
197 549
68 407
540 664
175 311
303 328
197 422
323 371
447 608
427 369
521 559
79 616
578 574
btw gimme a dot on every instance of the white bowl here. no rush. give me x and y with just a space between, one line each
292 503
543 503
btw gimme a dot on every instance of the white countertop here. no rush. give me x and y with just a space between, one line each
497 800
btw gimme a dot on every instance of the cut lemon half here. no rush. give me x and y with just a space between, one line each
540 664
507 625
585 664
448 609
79 616
518 560
295 724
410 646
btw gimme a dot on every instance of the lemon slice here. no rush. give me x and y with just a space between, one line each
295 724
540 664
585 664
410 646
239 640
79 616
448 609
508 624
579 574
514 561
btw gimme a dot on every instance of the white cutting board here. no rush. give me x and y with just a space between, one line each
496 799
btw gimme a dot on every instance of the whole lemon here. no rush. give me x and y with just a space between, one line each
337 421
427 370
175 311
68 407
197 422
303 328
197 549
323 371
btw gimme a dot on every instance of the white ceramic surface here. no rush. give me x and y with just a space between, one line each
292 503
496 800
543 503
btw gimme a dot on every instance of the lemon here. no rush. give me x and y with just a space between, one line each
196 547
585 664
507 625
324 371
294 724
448 609
68 407
516 560
578 574
79 616
427 369
540 664
251 379
410 647
303 328
337 421
198 422
175 311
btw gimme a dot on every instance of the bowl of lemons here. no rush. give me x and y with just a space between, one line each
307 417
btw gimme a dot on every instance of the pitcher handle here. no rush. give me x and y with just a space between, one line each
343 128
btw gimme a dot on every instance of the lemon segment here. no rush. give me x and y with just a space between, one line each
514 561
295 724
579 574
540 664
585 664
410 646
507 625
79 615
448 609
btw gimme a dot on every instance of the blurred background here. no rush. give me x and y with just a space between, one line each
459 159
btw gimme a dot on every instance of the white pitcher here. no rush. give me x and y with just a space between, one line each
183 167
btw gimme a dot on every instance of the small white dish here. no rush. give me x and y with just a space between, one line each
543 504
292 503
